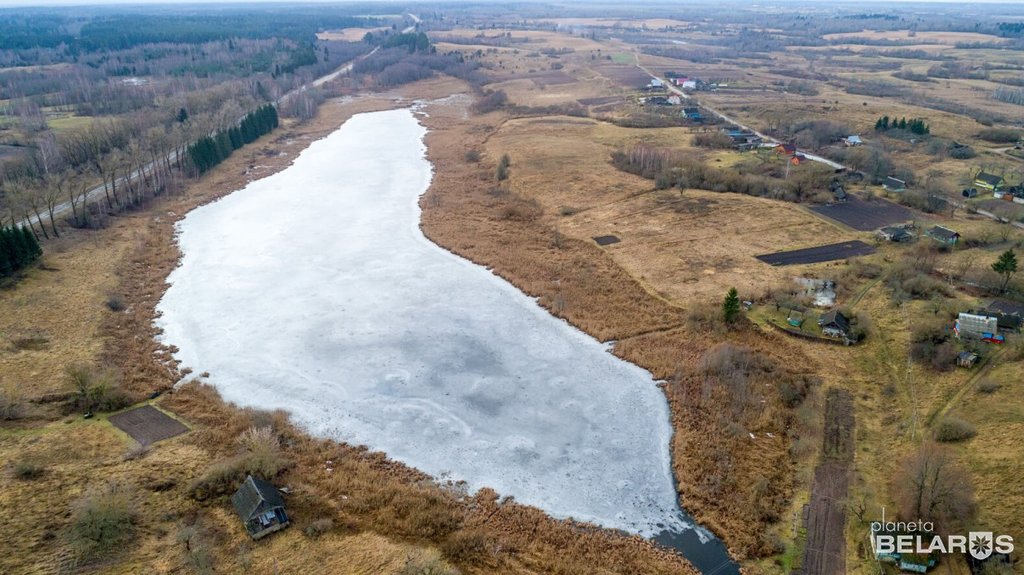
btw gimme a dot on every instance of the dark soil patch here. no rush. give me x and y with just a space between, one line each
818 254
598 101
866 215
825 515
147 424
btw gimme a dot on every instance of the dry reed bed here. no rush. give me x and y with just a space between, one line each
465 211
365 492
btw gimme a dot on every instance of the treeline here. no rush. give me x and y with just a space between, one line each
19 248
913 125
411 41
209 151
671 168
120 31
396 66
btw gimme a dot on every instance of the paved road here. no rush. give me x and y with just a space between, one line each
812 157
64 208
682 94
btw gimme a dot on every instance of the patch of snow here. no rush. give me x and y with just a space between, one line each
314 291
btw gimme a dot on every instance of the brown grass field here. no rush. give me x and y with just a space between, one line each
655 294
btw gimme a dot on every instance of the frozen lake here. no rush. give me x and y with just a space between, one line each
314 291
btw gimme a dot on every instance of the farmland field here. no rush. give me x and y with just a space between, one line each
818 254
866 215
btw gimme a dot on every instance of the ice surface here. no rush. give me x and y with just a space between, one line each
314 291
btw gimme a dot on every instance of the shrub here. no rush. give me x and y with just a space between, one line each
261 456
11 404
1000 135
953 429
988 386
714 140
26 470
427 563
473 156
464 546
102 523
95 389
490 102
116 303
501 172
962 153
319 527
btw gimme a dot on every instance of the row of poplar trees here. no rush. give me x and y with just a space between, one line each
19 248
209 151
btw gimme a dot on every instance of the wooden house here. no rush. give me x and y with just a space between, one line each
966 359
260 507
895 234
988 181
892 184
943 235
834 324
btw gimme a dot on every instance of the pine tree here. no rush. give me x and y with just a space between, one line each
731 306
1006 266
32 248
903 124
6 266
16 249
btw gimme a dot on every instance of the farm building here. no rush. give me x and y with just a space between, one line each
797 159
260 506
852 141
975 325
966 359
892 184
743 140
834 324
785 149
988 181
895 234
693 114
1009 314
944 235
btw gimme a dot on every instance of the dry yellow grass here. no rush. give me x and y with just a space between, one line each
384 513
926 36
347 34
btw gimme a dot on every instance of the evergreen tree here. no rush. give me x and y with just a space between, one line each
1006 266
6 266
17 254
32 248
182 115
903 124
731 306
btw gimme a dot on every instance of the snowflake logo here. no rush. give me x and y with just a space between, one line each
981 545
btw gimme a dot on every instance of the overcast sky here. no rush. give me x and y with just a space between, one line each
18 3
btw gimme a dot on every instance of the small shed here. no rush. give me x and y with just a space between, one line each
785 149
988 181
260 507
834 324
966 359
895 234
892 184
796 318
852 141
944 235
